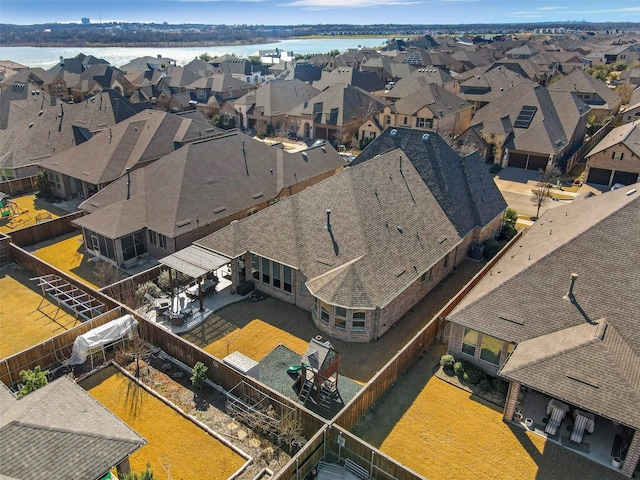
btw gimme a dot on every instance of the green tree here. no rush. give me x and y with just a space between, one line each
509 223
199 374
32 380
205 57
43 184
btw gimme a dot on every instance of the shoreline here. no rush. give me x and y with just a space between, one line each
257 41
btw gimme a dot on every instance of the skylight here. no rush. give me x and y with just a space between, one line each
525 116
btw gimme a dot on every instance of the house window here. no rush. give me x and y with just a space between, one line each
387 119
446 260
266 271
157 239
324 312
276 274
358 321
491 349
469 341
255 267
153 237
55 179
617 156
405 121
202 95
287 279
133 245
340 315
303 287
162 241
425 277
424 122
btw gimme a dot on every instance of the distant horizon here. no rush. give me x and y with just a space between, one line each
319 12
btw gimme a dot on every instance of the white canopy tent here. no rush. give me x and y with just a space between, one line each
99 337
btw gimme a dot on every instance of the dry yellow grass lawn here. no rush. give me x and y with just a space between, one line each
30 207
22 325
171 439
442 432
255 340
68 255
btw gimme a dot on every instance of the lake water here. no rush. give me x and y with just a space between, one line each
47 57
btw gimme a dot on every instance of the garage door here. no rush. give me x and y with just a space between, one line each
625 178
599 176
537 163
517 160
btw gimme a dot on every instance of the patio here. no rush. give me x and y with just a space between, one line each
601 446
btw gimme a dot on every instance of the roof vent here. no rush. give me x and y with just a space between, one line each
630 192
393 132
425 137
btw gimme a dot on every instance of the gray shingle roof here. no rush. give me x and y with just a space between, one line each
58 429
144 137
201 183
462 186
278 96
388 226
368 81
627 135
522 300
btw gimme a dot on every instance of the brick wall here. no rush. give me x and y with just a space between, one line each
629 163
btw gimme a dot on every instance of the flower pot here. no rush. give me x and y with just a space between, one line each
616 462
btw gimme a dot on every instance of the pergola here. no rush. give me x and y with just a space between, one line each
64 293
195 262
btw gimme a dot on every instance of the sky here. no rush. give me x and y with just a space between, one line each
295 12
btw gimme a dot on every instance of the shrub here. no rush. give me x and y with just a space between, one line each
472 376
491 247
199 374
163 281
32 380
458 368
148 287
146 475
484 385
447 361
495 168
500 386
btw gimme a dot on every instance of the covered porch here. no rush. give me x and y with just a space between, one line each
604 441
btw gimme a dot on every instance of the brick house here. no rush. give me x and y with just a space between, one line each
616 158
558 316
359 249
197 189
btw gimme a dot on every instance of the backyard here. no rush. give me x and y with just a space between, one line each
26 318
443 432
176 447
28 209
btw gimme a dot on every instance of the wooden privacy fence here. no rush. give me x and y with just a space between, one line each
582 151
40 232
19 186
124 290
5 249
378 385
50 353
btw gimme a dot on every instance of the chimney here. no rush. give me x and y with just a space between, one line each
570 296
61 61
128 184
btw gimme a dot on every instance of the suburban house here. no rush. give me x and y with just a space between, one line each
387 69
60 430
334 113
530 127
147 63
604 102
270 103
485 84
359 249
557 316
145 137
419 78
616 158
193 191
221 85
36 126
428 108
365 80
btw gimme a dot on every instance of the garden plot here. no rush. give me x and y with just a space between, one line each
176 447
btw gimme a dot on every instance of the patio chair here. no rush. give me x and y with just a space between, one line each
579 425
554 421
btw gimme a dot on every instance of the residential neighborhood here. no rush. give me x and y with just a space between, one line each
411 261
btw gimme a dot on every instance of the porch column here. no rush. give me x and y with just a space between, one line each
123 468
633 455
511 402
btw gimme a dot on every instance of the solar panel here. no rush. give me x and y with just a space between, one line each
525 116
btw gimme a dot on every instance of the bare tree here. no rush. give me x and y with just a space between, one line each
106 273
541 193
368 108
